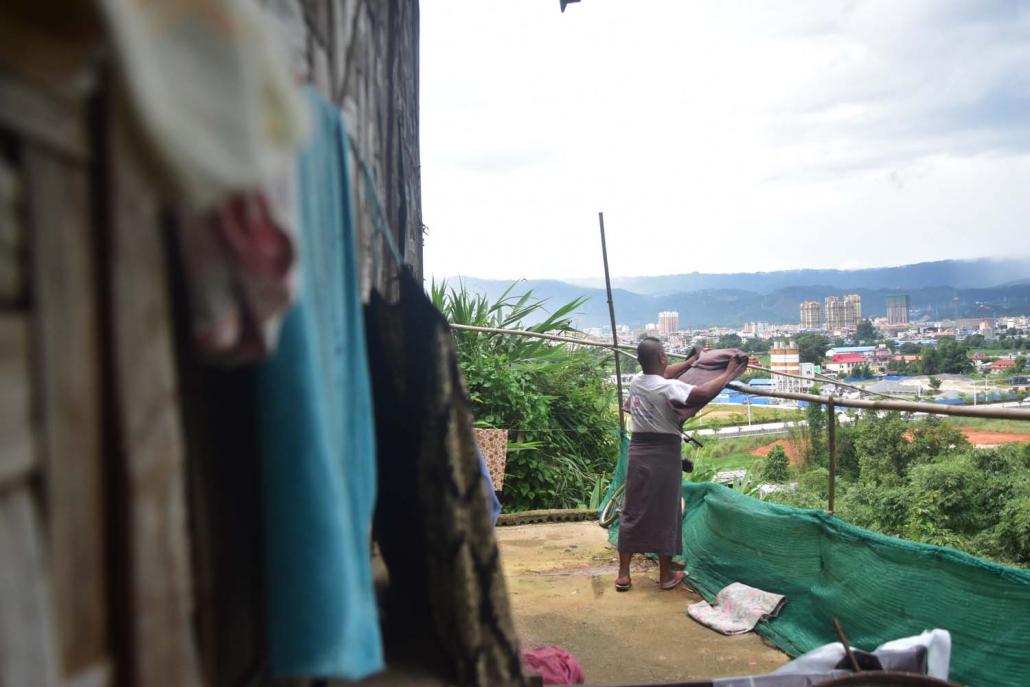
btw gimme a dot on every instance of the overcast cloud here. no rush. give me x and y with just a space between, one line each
781 134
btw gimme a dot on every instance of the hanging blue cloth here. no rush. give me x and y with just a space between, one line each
317 437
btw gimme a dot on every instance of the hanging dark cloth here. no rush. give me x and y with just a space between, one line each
432 520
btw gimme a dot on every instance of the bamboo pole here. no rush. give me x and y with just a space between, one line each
611 314
534 335
903 406
831 431
825 380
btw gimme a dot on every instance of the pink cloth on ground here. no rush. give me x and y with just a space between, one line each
556 665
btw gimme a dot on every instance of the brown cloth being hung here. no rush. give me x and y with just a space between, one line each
710 365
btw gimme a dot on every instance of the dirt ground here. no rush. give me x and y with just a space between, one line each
979 437
792 450
561 580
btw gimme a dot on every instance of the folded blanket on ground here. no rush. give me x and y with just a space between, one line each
737 609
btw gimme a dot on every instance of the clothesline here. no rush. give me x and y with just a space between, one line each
620 349
379 221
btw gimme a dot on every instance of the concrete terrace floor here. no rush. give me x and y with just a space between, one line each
561 580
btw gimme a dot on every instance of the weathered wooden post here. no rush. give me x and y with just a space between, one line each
831 430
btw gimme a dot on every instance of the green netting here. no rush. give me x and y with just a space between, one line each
879 587
620 470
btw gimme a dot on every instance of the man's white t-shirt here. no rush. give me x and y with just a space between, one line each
650 403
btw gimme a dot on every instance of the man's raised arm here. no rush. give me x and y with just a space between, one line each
674 371
704 393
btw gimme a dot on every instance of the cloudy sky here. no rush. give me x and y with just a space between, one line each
722 136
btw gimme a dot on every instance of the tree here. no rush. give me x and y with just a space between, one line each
728 341
756 345
932 439
920 479
817 482
866 331
812 347
881 446
776 468
1020 364
954 357
930 363
898 367
975 341
815 419
863 370
847 457
909 348
934 383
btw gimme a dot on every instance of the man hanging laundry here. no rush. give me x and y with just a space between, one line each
658 404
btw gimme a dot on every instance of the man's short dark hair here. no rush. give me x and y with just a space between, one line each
649 352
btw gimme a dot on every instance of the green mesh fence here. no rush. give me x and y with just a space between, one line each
879 587
619 478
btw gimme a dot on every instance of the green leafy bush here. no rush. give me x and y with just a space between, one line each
776 469
920 479
555 402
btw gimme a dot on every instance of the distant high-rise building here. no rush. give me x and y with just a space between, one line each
897 309
852 310
834 312
668 321
811 315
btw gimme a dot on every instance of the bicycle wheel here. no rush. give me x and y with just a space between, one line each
611 511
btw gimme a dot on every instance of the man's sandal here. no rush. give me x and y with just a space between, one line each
625 587
676 580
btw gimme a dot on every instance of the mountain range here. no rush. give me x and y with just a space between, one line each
958 274
943 289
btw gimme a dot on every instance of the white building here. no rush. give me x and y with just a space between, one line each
668 321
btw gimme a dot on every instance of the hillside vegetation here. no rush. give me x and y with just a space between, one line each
921 480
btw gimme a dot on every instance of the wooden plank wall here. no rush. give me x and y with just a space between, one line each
147 444
363 55
129 540
95 587
52 516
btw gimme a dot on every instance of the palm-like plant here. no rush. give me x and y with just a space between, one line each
553 400
462 306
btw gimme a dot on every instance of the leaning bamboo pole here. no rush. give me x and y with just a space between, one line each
624 350
903 406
